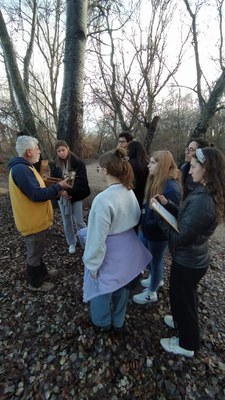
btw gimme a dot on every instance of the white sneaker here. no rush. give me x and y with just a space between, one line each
172 346
72 249
146 282
145 297
168 319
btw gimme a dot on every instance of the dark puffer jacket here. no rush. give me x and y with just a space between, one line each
80 189
196 223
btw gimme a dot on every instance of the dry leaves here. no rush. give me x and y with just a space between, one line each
49 350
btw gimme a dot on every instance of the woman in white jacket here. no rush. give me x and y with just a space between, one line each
113 254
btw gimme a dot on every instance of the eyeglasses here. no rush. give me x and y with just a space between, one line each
98 169
190 149
122 141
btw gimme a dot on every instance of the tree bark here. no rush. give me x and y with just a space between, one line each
70 126
151 128
26 120
210 107
207 108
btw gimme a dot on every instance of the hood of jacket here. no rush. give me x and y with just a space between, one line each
18 160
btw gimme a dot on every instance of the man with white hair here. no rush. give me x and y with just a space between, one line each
32 209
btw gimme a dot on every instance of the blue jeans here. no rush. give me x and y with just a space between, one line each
155 267
72 221
109 309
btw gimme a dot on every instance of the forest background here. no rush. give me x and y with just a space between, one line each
84 71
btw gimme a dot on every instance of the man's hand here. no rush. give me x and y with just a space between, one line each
65 194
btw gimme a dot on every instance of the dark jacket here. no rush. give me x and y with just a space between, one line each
24 177
187 181
80 189
196 223
149 224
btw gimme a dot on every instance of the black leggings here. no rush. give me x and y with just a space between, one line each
184 303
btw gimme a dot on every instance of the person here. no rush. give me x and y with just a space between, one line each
192 146
113 254
70 203
197 218
164 178
32 209
125 138
139 161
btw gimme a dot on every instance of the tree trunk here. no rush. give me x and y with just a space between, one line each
210 107
151 128
207 108
70 126
17 90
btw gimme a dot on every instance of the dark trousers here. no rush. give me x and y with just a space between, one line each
184 303
36 270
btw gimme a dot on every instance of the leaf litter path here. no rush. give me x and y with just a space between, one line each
49 350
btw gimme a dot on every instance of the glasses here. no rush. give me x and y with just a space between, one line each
98 169
190 149
122 141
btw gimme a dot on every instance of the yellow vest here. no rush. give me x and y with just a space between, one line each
30 216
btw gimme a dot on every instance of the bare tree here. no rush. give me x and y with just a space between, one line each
133 66
40 30
50 38
70 124
18 87
207 106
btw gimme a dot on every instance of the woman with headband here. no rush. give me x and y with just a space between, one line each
198 217
113 254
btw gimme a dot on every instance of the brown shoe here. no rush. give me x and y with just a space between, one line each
45 287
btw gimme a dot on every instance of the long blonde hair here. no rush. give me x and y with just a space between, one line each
167 169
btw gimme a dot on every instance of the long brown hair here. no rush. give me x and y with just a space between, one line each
214 163
117 165
59 162
167 169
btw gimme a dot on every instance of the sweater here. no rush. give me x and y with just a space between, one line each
113 211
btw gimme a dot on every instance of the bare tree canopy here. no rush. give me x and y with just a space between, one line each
122 63
208 106
18 89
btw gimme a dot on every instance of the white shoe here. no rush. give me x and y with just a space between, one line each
168 319
145 297
172 346
146 282
72 249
